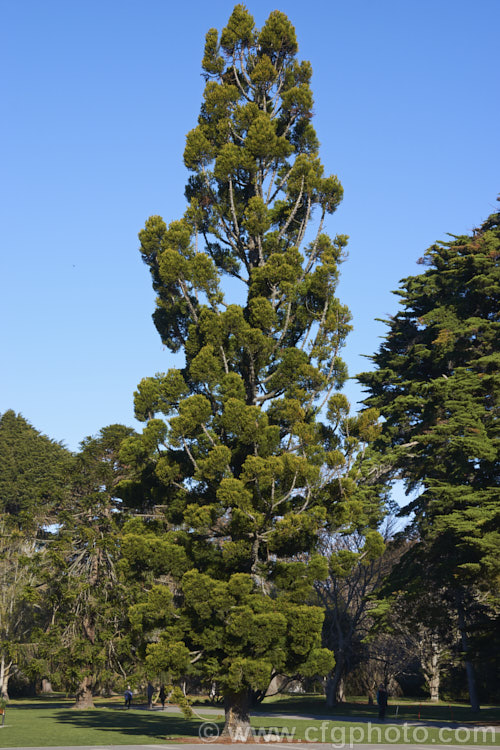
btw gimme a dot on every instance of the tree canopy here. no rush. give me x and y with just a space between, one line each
33 473
436 382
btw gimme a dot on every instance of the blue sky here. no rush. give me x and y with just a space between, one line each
97 99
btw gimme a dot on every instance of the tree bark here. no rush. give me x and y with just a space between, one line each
431 668
434 682
330 692
84 699
236 709
4 678
340 697
334 686
469 668
46 686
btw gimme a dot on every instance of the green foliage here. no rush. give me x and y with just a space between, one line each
34 482
33 472
437 385
235 452
242 633
82 592
18 602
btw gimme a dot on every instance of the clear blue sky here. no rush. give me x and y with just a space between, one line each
97 98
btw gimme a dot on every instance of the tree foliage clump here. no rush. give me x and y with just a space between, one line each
356 566
33 488
33 475
80 587
436 382
236 447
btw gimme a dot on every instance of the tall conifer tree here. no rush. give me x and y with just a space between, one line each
235 447
437 384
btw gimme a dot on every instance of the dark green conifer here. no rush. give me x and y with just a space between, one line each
437 382
33 473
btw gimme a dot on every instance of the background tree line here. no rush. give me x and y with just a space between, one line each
241 538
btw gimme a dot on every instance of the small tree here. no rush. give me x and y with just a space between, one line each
83 596
34 477
416 612
357 565
246 471
16 613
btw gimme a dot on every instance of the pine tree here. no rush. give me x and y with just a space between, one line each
235 450
436 382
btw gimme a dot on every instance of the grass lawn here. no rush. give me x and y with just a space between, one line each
407 710
348 733
36 723
52 722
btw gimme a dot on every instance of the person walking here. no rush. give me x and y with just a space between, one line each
162 695
150 691
382 698
128 697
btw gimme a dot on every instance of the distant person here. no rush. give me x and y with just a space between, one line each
150 692
128 697
381 701
162 695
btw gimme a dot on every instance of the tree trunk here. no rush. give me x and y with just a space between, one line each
84 698
434 682
371 690
334 687
469 669
432 670
236 709
471 682
4 678
340 697
46 686
330 692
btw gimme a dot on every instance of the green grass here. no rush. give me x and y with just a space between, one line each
349 733
49 722
407 709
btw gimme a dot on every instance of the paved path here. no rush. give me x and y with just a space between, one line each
259 746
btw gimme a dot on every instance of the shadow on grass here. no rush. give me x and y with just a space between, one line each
36 703
132 723
309 707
